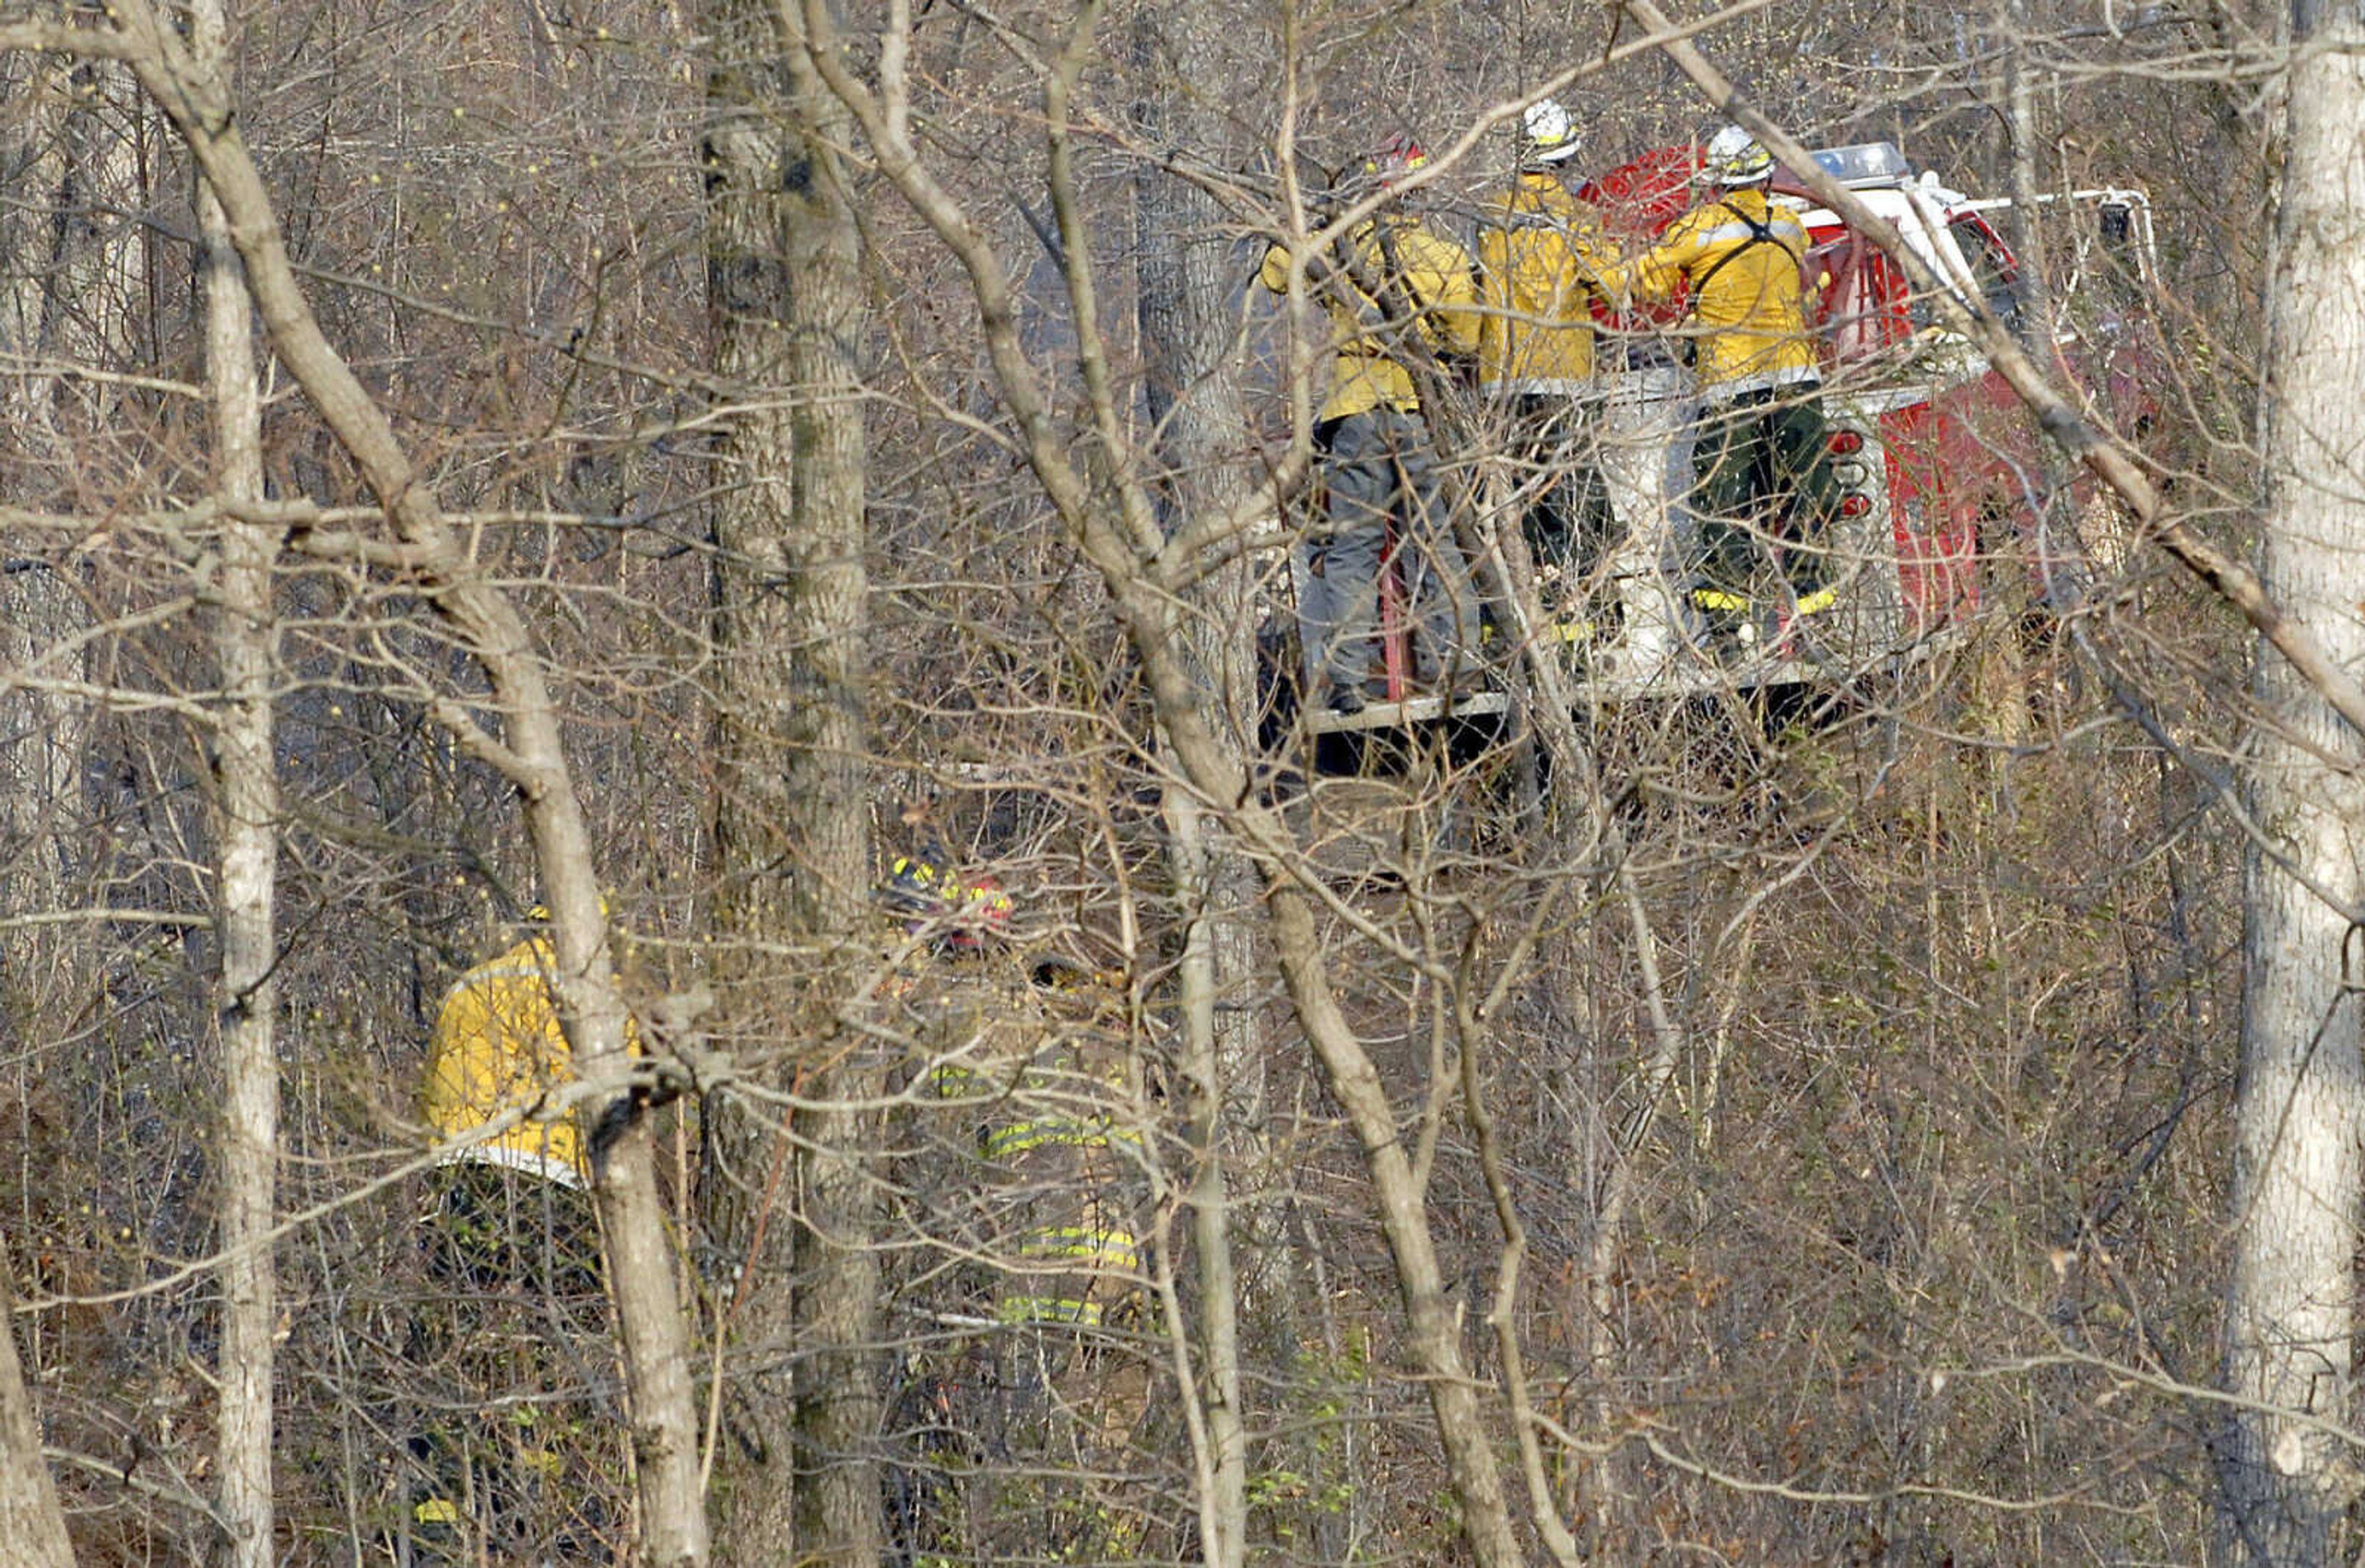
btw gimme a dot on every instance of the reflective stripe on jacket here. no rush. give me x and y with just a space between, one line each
1748 302
1054 1136
1540 252
1399 257
1057 1131
1072 1272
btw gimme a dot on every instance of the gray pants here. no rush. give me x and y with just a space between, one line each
1552 445
1379 469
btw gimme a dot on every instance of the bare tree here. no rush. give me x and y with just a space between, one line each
1187 287
1764 1129
247 835
791 811
2298 1180
1129 552
32 1526
67 302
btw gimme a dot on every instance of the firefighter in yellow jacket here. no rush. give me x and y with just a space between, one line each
1542 252
513 1241
1063 1157
1762 456
496 1051
1020 1388
1399 296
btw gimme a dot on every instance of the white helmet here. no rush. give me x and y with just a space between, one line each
1736 158
1548 133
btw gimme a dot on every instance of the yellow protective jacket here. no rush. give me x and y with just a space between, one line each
1401 257
1741 256
498 1046
1066 1250
1043 1074
1540 252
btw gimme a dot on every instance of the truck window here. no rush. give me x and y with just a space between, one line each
1993 268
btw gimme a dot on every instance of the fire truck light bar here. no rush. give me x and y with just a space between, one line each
1865 164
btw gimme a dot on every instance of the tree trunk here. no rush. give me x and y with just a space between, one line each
1192 391
32 1526
2300 1104
60 303
247 850
2027 181
1998 705
800 1481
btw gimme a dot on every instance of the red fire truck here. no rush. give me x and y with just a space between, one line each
1938 464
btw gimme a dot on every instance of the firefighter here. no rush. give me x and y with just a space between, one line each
498 1048
1053 1158
513 1239
1542 252
1399 297
1761 449
1062 1155
1027 1416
